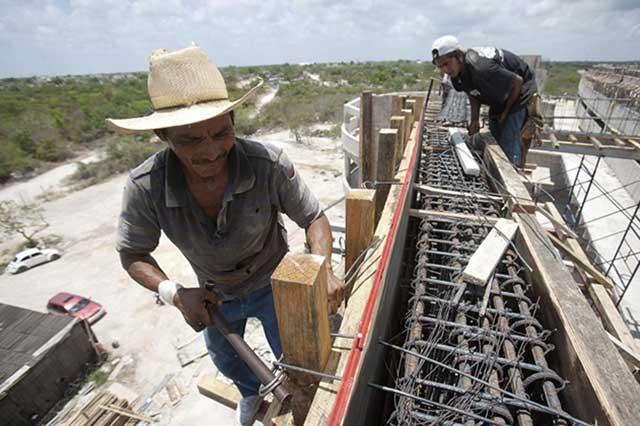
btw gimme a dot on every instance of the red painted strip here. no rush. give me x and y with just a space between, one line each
348 377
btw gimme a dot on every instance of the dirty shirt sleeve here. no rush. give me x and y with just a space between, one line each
293 196
494 80
138 227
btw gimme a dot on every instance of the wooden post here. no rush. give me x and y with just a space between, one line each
408 125
300 295
385 166
366 137
397 122
360 223
396 105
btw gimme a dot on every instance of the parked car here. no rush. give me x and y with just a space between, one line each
75 306
32 257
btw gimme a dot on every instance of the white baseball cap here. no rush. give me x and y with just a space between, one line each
443 46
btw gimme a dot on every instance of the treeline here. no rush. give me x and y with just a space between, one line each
45 121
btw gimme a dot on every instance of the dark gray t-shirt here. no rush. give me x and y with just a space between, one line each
489 74
239 251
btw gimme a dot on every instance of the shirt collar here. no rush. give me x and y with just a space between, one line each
241 177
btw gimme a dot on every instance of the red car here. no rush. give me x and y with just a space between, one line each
75 306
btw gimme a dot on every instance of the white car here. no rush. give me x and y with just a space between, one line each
31 257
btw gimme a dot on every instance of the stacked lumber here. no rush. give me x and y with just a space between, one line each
105 409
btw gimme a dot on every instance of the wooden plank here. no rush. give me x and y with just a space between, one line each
325 396
587 358
360 224
596 143
484 260
408 122
558 223
432 214
631 357
509 181
385 166
366 136
625 152
619 142
397 122
224 393
299 286
597 275
635 144
554 141
469 164
127 413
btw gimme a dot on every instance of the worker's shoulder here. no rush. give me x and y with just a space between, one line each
482 57
259 151
155 162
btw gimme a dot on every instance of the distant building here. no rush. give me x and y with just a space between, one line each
41 355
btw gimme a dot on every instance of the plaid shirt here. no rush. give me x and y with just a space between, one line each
238 252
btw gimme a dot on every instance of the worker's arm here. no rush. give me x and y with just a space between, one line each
320 242
513 97
474 124
144 270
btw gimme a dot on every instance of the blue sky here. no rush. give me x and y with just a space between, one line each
56 37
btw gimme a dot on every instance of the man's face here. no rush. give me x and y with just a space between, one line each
450 64
203 147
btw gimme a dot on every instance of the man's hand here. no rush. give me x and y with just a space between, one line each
192 302
503 116
474 127
335 289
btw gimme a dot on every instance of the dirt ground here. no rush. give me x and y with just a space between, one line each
146 334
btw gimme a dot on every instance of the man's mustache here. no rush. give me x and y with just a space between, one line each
203 161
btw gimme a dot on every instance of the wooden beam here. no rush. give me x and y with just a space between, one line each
408 122
596 143
558 224
509 180
554 141
619 142
360 223
597 275
572 138
366 135
225 393
635 144
397 122
387 141
483 262
469 164
300 295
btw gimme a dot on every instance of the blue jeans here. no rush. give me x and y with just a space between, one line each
257 304
507 133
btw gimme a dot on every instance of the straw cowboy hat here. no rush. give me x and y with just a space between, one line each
185 87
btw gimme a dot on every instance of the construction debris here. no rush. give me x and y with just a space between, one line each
105 409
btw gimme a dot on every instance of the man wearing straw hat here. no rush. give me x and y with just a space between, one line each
219 199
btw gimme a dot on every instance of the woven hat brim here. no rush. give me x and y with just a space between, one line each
179 116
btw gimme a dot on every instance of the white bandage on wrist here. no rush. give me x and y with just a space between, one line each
167 290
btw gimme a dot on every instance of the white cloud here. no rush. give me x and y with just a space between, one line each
86 36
